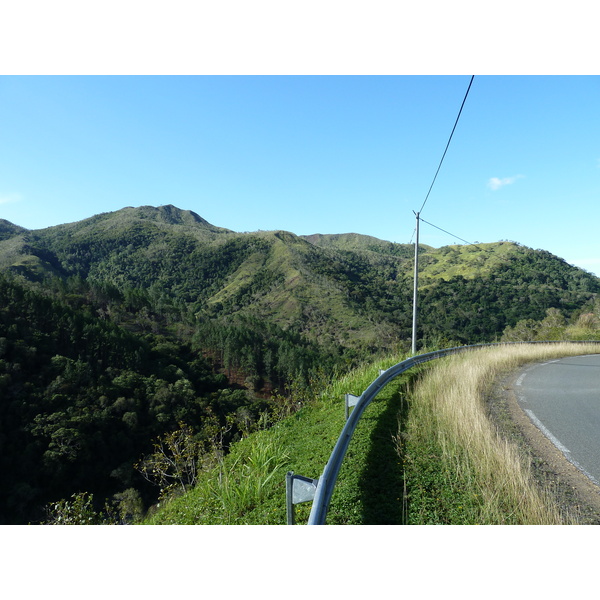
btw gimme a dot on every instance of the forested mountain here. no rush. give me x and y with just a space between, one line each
8 230
117 329
348 290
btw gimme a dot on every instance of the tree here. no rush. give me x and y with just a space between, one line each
553 326
524 331
77 510
130 507
174 462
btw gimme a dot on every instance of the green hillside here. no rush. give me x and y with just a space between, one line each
349 290
469 261
117 329
8 230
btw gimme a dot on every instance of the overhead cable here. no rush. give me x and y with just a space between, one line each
448 144
451 234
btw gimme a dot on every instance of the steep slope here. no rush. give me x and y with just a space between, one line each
8 230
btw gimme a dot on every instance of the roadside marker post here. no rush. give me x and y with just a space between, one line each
351 400
298 489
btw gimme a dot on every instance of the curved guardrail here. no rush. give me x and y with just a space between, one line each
322 489
327 481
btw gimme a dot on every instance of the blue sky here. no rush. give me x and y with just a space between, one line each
313 154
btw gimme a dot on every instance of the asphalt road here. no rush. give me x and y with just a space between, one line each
562 398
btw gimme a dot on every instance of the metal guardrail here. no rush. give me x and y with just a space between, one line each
320 490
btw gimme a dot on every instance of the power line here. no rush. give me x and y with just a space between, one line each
451 234
416 278
448 144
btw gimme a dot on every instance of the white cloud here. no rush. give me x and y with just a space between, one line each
495 183
9 198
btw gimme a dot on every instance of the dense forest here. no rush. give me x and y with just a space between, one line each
120 329
472 310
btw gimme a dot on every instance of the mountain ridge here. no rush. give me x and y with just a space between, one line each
347 289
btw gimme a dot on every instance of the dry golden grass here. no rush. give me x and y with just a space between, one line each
448 413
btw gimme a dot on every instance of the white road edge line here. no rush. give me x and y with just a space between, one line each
545 431
560 446
531 368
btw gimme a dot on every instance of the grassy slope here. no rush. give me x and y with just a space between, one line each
478 260
297 295
303 443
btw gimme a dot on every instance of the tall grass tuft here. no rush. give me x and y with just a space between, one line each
458 468
241 483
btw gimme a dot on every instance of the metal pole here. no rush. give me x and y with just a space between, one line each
289 495
416 286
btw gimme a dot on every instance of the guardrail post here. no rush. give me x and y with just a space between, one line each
298 489
351 400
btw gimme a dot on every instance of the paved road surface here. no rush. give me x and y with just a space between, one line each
562 398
